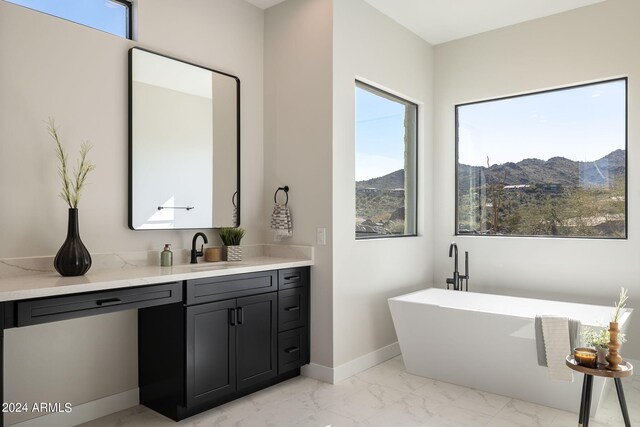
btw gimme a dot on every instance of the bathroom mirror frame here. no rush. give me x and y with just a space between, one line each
235 199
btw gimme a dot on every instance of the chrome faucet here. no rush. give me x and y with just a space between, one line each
458 278
194 252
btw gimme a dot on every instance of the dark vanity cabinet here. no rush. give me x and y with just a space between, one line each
293 319
231 336
231 345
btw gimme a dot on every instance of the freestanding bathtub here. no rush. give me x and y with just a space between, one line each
487 342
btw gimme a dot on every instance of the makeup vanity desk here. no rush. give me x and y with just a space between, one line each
208 333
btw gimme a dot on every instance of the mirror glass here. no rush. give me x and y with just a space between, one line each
184 144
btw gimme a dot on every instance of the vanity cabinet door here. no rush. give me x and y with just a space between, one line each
211 351
256 339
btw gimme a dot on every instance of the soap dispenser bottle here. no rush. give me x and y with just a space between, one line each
166 256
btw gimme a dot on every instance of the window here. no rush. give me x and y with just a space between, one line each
551 164
111 16
386 135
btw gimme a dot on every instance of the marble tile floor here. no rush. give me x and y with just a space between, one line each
385 395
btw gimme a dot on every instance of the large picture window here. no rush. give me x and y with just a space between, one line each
551 163
386 135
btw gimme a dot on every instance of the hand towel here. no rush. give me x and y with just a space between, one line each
555 330
281 222
575 327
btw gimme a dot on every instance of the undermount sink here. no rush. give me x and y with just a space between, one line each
215 265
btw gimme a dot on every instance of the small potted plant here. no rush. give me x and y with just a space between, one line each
231 237
599 339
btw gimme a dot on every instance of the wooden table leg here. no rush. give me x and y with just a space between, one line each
623 402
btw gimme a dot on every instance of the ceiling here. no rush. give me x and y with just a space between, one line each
439 21
264 4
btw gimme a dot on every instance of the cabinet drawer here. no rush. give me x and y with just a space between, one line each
293 277
293 308
293 349
226 287
43 310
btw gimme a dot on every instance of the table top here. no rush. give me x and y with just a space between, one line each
626 369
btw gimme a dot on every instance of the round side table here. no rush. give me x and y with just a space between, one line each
626 370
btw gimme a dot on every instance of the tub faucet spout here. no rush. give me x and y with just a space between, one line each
455 280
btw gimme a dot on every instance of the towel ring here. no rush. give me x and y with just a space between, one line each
286 192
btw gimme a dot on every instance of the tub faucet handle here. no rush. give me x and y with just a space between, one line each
465 276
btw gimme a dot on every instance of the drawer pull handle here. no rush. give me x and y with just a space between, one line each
232 316
295 277
294 308
108 301
291 349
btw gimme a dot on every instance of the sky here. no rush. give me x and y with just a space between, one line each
104 15
580 124
379 135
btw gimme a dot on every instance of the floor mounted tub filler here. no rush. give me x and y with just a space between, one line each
487 342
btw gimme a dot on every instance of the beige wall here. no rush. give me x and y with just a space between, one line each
370 46
592 43
298 125
314 49
52 67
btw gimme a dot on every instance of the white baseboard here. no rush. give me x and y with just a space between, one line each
353 367
318 372
86 411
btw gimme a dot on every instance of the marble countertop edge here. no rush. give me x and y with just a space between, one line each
45 284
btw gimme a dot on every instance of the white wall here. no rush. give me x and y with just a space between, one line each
297 142
592 43
368 45
52 67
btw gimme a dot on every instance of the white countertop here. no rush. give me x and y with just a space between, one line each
50 283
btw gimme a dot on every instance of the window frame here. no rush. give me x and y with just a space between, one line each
415 150
128 4
624 79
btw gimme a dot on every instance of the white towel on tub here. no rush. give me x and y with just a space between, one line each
557 346
575 327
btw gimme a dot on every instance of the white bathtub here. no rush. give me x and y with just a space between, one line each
488 342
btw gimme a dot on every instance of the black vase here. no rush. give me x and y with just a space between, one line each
73 258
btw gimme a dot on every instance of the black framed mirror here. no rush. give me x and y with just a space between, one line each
184 144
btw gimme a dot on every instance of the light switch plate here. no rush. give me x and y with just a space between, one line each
321 236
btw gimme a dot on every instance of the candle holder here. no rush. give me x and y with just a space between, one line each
586 357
